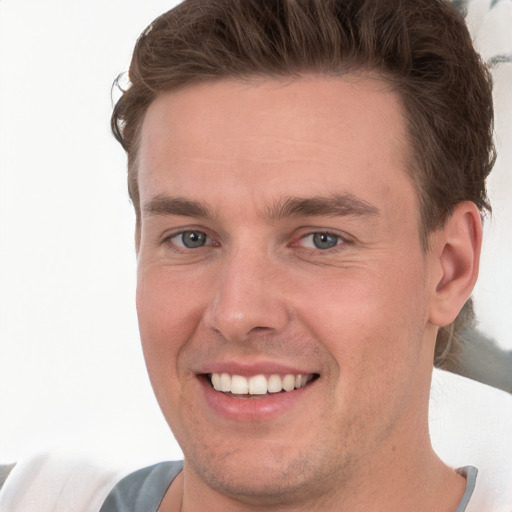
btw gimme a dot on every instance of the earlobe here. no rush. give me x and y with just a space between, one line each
457 253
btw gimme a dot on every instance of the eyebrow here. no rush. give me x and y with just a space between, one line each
335 205
165 205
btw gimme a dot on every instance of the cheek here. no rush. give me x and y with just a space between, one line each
169 310
367 317
373 328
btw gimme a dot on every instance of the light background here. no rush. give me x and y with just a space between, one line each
71 368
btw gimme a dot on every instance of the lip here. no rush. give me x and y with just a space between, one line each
257 408
247 369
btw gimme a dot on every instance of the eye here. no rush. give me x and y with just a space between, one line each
321 240
190 239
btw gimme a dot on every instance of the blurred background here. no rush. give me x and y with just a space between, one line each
71 367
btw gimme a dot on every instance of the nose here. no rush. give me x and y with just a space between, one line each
248 297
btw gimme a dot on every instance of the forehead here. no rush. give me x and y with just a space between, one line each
282 135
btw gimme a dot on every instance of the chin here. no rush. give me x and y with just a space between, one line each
253 482
263 473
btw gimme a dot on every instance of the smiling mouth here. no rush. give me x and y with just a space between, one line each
239 386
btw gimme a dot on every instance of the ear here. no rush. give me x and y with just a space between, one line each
456 252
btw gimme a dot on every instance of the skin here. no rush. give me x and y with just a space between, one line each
362 315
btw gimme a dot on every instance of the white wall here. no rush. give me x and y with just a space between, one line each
493 294
71 369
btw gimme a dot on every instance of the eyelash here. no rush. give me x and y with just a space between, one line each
179 247
341 240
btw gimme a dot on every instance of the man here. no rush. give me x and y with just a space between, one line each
308 179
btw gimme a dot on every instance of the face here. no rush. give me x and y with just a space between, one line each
283 293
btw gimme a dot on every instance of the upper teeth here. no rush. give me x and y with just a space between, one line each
258 384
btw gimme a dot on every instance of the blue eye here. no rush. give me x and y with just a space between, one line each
190 239
321 240
325 240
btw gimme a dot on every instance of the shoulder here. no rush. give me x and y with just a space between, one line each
50 482
143 490
53 482
470 424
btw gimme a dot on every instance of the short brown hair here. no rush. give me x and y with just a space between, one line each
421 47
